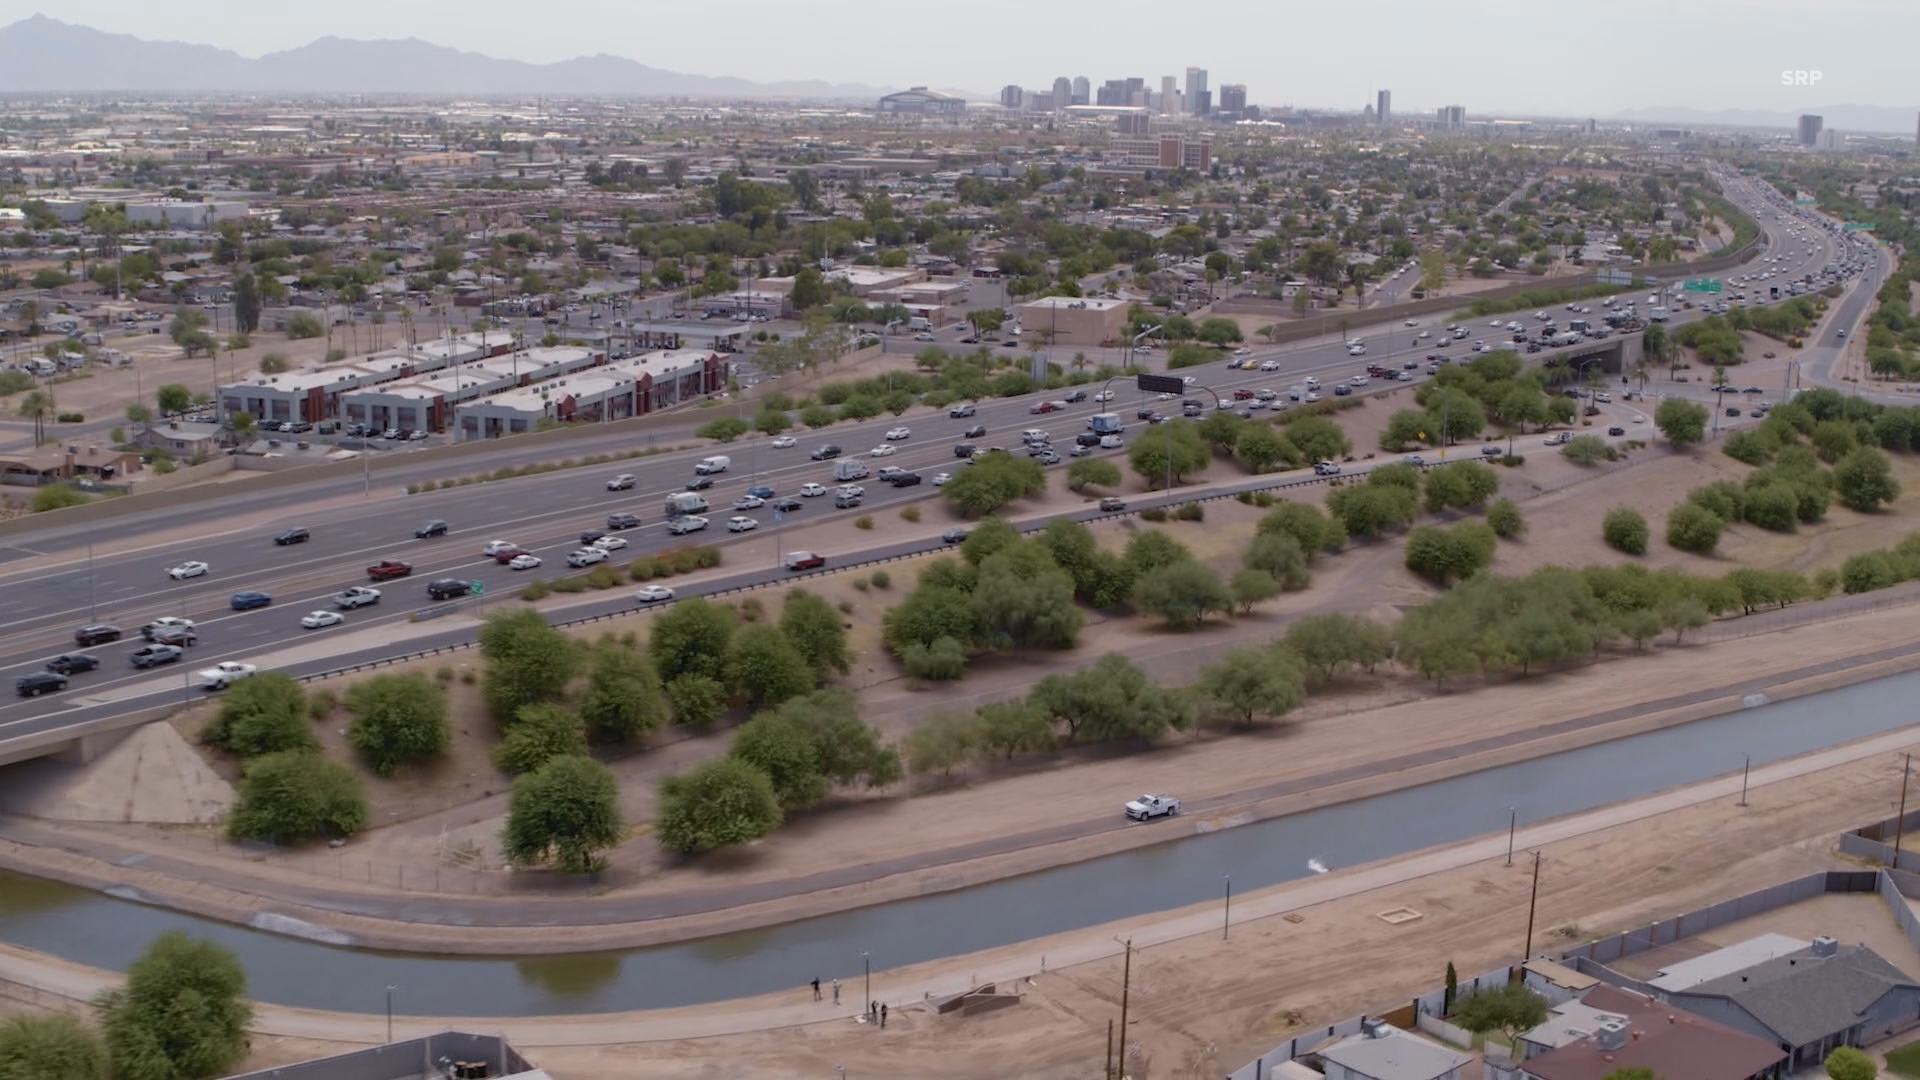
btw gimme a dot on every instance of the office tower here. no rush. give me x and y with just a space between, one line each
1040 101
1383 108
1203 107
1133 123
1233 99
1829 140
1810 130
1137 93
1081 90
1011 96
1062 92
1196 87
1168 94
1451 116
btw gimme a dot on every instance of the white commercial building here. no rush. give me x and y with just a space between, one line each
634 386
427 404
313 394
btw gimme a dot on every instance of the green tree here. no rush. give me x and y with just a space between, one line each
1510 1009
943 741
1588 450
1313 530
623 699
1444 556
1691 527
993 481
1172 447
1182 594
173 399
809 290
182 1013
765 668
1251 681
525 661
780 748
771 422
540 732
817 416
1370 510
817 631
1249 587
693 637
1503 516
1329 643
1110 701
1260 448
1625 530
397 719
1632 1072
1847 1063
51 1047
1683 422
1012 727
1092 472
246 303
697 700
1863 479
567 811
1459 484
1319 438
261 715
718 803
1278 556
1149 551
295 795
301 325
723 429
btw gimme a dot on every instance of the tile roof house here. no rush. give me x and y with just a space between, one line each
1383 1052
1812 1000
1612 1028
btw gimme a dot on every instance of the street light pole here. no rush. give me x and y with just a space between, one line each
93 610
866 962
1513 822
389 1015
1532 903
1900 822
1226 916
1126 986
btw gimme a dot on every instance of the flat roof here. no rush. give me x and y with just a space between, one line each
684 327
1688 974
1091 303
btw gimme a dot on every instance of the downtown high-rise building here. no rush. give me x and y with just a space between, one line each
1810 126
1062 93
1197 96
1011 96
1233 99
1082 90
1451 116
1383 108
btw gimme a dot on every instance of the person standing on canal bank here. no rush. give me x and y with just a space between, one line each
816 988
883 1017
836 991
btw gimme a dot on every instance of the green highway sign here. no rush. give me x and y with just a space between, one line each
1705 285
479 587
1859 226
1803 201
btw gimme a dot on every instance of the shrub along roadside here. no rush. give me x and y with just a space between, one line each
669 563
509 472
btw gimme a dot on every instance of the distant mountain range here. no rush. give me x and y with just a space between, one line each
1861 118
43 55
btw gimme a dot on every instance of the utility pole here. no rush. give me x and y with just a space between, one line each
1126 985
1900 823
1532 902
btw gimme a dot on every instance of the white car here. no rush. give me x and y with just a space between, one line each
940 479
784 442
681 526
1270 365
1312 396
1424 334
167 622
1356 350
851 491
622 482
653 594
319 619
222 675
610 543
741 523
1244 351
1410 322
586 556
812 491
1414 459
883 450
1104 395
899 433
1326 468
1152 806
188 570
495 547
525 561
749 502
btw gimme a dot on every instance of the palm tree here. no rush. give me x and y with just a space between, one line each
37 406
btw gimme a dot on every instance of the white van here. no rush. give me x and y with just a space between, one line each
715 464
919 324
847 469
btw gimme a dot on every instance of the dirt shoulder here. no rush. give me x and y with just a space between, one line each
946 840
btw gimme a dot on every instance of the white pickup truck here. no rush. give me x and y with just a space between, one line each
358 596
1152 806
222 675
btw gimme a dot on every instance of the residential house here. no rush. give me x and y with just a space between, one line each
1611 1028
182 438
1383 1052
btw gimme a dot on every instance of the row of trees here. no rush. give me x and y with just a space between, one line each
1462 399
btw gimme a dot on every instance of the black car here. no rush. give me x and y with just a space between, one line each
953 536
700 483
39 682
963 450
435 527
1616 431
786 506
1075 397
448 589
292 536
73 663
1144 414
831 450
977 431
623 521
1087 438
907 480
95 634
587 538
173 635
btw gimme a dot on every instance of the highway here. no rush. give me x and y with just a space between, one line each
125 583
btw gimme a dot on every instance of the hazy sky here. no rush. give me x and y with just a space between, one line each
1491 56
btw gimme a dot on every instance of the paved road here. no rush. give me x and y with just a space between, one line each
544 513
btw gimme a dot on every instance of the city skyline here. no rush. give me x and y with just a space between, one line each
1414 49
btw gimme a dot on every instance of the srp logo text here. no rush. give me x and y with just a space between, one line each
1796 77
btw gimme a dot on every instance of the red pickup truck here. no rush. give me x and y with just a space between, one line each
388 569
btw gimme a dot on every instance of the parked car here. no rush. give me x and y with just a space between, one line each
1152 806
